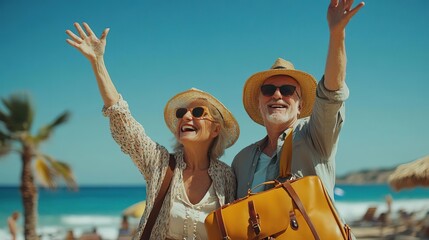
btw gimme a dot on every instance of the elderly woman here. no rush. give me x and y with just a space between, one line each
203 128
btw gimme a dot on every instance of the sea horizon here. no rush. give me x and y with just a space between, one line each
101 206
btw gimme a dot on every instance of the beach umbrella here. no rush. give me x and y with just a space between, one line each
411 174
136 210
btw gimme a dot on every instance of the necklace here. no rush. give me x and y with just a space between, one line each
191 216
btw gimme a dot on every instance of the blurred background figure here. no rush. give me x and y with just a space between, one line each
124 224
11 222
124 231
70 235
93 235
385 218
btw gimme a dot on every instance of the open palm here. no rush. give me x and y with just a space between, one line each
87 43
339 14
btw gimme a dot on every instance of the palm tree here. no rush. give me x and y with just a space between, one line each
16 136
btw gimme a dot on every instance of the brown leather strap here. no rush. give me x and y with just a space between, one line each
288 187
286 156
254 218
221 224
348 232
159 199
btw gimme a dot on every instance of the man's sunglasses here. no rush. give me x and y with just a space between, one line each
268 90
197 112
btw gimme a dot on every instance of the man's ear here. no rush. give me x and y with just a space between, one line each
299 107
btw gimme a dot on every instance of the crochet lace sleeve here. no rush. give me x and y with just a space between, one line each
130 135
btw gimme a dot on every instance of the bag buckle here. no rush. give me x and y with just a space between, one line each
254 218
255 225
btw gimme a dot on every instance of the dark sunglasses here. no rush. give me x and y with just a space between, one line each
197 112
268 90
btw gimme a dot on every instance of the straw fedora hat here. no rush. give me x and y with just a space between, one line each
184 98
252 88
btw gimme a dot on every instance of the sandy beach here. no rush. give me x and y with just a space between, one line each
361 232
392 232
373 233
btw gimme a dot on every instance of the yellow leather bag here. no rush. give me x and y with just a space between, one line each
295 209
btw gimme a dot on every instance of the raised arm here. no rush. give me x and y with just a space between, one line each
93 49
339 14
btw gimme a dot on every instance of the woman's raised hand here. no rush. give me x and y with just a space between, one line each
93 49
87 43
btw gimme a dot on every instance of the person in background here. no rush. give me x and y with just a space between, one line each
12 225
70 235
125 226
92 235
124 230
385 218
203 128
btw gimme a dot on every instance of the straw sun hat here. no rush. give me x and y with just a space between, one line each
183 99
281 67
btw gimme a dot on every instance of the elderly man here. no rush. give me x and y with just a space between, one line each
289 102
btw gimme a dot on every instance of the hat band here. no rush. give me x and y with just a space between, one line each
278 67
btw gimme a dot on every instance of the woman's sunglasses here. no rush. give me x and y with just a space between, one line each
197 112
268 90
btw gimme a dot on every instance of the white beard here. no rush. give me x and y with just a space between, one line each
277 118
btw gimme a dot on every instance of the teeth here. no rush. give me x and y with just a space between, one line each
277 106
188 128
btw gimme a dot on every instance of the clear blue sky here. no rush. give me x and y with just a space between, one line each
157 48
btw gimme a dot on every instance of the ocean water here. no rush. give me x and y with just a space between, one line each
61 210
352 201
101 207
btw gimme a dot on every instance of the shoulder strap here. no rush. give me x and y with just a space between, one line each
159 199
286 156
221 224
288 187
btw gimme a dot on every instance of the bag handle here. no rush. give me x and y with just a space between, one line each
275 182
289 189
159 199
221 224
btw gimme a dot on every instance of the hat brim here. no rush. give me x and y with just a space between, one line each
183 99
252 87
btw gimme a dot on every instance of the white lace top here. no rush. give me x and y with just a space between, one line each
187 219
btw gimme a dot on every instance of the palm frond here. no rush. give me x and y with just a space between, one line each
63 118
43 134
46 131
21 112
5 147
62 170
5 144
44 173
3 135
3 117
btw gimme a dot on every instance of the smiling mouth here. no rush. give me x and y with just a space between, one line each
277 106
188 128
